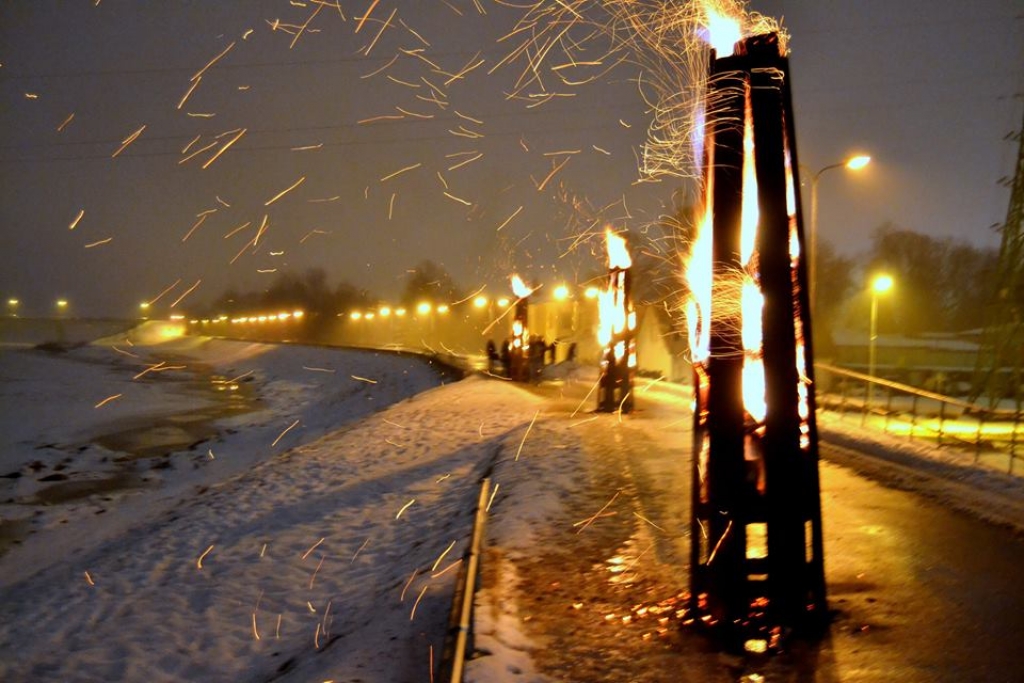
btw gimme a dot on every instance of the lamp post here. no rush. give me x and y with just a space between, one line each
854 164
879 285
62 307
12 307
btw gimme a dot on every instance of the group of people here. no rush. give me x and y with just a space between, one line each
520 366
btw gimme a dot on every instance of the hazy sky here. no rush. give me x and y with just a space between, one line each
455 171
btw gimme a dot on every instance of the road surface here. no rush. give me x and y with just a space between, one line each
919 592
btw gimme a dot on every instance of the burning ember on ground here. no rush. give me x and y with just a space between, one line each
757 552
617 329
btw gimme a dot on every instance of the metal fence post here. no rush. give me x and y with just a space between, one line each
942 420
888 407
913 417
977 437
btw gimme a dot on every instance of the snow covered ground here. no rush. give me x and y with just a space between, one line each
309 521
313 533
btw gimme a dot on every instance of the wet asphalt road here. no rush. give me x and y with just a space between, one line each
919 592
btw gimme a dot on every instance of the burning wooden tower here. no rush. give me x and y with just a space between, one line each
757 569
519 344
617 330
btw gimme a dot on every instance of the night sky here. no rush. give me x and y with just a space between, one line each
399 144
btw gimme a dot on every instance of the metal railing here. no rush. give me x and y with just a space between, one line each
919 414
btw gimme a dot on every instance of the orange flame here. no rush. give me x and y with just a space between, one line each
724 23
752 300
519 287
723 31
615 315
699 279
618 254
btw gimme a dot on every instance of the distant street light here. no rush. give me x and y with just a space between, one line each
144 309
62 306
854 164
561 293
12 307
879 285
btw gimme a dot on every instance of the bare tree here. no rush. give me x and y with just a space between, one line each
432 282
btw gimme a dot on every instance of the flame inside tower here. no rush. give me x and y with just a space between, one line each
617 330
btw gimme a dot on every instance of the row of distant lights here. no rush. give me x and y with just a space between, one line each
275 317
13 303
423 308
560 293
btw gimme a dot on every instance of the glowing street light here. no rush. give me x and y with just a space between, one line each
62 306
858 162
854 163
144 309
879 285
561 293
12 307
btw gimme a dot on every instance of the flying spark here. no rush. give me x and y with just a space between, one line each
281 435
313 547
128 140
441 556
285 191
187 292
520 449
407 584
199 562
107 400
404 508
412 615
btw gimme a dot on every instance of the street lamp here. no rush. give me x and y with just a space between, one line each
62 306
12 306
854 163
879 285
144 309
